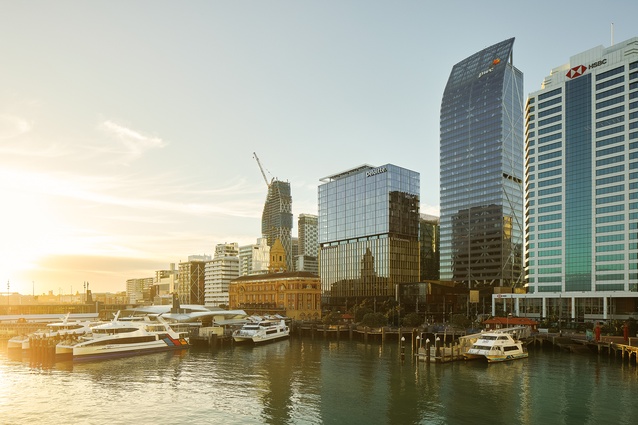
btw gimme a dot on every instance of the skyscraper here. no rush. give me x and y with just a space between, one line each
308 243
581 177
276 220
481 160
219 271
368 233
429 236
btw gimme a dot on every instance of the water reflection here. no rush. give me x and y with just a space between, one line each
318 382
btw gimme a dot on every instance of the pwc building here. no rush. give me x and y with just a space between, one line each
368 233
581 181
481 171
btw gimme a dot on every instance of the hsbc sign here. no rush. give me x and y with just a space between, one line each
579 70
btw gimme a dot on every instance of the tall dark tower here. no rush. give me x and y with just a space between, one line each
276 219
481 156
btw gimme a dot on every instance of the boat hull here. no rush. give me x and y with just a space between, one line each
125 350
505 358
257 339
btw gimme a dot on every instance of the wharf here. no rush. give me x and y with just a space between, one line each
613 346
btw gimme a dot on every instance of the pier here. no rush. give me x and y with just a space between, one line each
612 346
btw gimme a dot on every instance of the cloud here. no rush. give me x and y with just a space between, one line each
133 142
12 126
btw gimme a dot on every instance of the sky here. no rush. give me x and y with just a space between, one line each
127 128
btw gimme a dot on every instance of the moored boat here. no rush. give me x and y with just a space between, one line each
126 338
60 330
496 347
260 329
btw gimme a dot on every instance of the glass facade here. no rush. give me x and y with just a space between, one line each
481 160
368 232
581 175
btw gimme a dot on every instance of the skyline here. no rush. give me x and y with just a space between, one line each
127 133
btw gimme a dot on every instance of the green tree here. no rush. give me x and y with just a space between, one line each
332 318
374 320
360 313
411 320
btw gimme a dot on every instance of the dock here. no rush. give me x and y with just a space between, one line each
612 346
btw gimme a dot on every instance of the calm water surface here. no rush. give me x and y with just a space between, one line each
305 381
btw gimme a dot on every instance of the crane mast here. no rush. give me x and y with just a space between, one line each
261 169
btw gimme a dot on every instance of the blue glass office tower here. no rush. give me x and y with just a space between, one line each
368 233
481 160
581 177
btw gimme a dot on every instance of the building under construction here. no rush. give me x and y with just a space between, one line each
276 220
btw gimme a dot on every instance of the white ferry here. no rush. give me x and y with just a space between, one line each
125 338
496 347
57 329
262 330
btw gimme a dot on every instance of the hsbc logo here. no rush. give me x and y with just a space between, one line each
576 71
579 70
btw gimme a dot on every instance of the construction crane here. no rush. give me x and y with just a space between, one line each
262 169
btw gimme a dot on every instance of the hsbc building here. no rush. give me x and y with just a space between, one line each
581 187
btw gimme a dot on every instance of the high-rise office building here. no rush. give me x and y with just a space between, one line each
368 233
276 221
307 226
190 279
481 170
219 271
429 236
581 177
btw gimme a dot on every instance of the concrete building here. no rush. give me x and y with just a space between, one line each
190 282
219 272
138 291
254 259
481 170
307 227
581 182
368 233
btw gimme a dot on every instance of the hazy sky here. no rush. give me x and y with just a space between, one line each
127 128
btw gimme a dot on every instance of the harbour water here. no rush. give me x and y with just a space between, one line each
316 381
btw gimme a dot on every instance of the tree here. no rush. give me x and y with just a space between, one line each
360 313
374 320
411 320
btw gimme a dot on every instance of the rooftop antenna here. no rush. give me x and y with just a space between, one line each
612 33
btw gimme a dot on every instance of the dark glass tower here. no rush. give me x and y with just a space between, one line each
368 233
481 159
276 220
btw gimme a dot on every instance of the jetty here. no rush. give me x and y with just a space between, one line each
612 346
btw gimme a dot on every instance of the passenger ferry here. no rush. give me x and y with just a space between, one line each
496 346
57 329
125 338
261 330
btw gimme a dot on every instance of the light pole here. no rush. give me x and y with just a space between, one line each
402 348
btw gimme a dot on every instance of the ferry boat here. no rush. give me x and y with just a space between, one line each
57 329
496 346
126 338
262 330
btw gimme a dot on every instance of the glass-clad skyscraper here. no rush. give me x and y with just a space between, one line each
368 233
481 166
581 171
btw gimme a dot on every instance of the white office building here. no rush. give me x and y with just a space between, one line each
218 273
581 190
